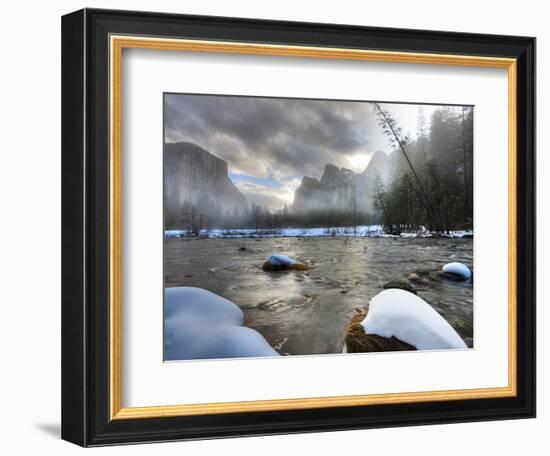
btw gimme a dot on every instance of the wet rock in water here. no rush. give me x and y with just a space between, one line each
456 271
357 341
267 266
242 249
400 284
417 279
451 277
278 262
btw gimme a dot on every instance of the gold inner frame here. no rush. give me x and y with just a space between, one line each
117 44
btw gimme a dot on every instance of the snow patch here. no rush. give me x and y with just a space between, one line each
458 269
459 234
199 324
409 318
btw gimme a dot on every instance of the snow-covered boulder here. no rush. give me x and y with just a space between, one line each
279 262
457 270
199 324
410 319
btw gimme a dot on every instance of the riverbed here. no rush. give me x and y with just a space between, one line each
306 312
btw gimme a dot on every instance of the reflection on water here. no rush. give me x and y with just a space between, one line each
306 312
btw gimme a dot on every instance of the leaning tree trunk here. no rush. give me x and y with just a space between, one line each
422 195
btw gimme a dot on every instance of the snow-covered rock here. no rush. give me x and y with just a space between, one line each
458 269
199 324
410 319
279 262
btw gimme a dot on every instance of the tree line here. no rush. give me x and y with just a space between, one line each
194 219
433 176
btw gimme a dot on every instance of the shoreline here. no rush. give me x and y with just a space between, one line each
363 231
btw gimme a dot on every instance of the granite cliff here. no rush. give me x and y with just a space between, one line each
338 187
194 176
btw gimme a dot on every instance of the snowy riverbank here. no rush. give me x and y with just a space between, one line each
359 231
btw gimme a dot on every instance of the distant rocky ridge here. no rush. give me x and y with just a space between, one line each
193 175
339 186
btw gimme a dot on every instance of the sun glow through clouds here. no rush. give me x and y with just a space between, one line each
359 162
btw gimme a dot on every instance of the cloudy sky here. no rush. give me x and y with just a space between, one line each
270 143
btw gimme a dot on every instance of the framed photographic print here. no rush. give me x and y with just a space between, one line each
275 227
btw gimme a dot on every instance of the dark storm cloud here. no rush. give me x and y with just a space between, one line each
277 137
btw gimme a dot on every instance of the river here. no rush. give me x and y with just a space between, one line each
306 312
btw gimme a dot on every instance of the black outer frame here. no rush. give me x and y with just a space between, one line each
85 227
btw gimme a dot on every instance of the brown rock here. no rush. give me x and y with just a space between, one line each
358 342
267 266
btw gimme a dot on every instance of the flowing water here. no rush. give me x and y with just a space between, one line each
306 312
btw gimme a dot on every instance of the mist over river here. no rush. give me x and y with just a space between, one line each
306 312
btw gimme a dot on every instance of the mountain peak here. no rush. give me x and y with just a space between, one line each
377 162
335 176
309 182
